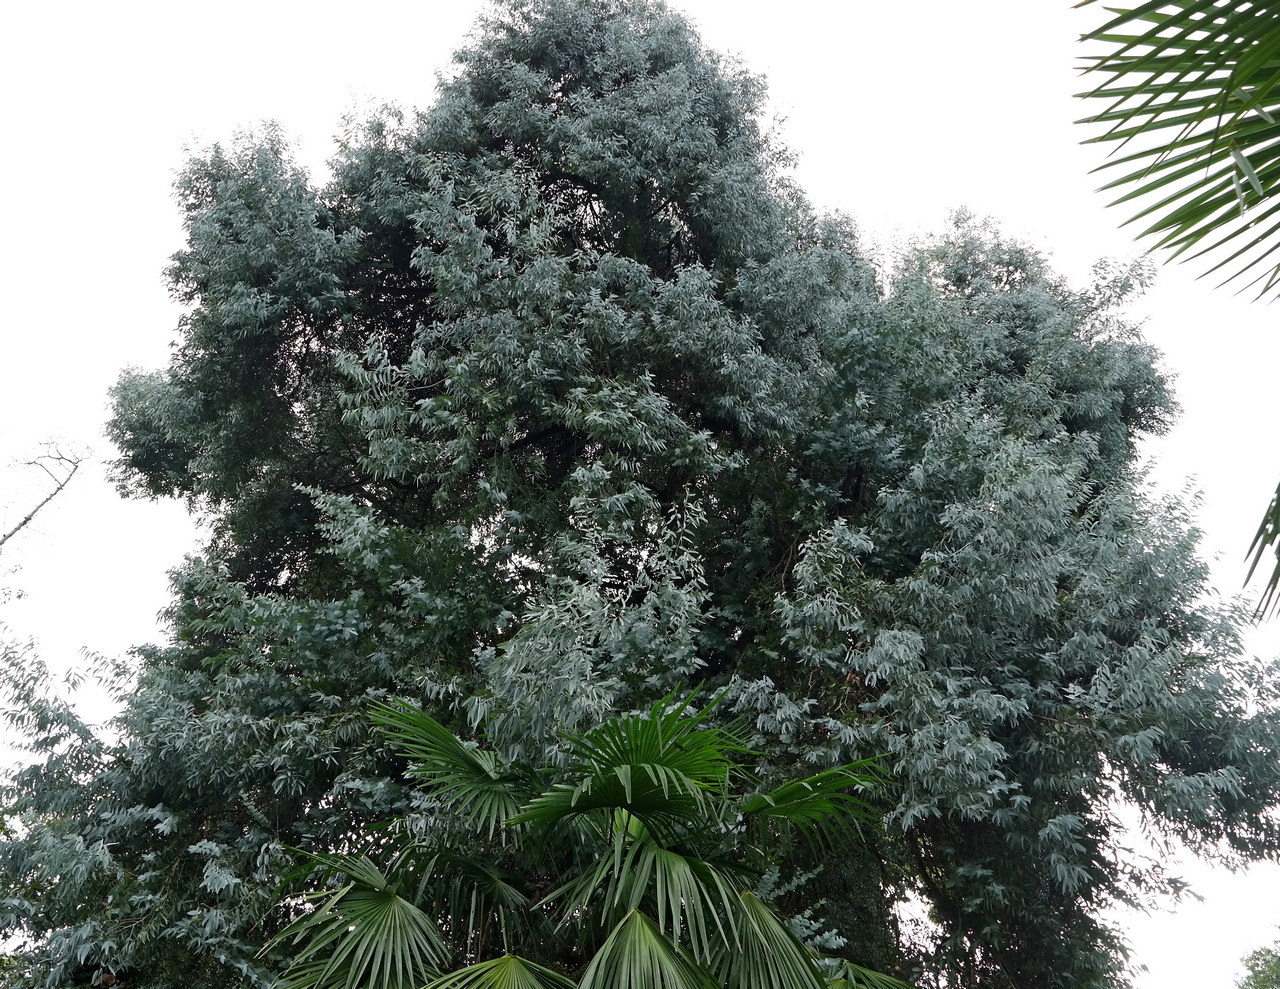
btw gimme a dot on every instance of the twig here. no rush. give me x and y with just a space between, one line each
70 464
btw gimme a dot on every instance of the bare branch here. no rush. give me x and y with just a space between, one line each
61 468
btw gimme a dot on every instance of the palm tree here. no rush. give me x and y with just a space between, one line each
1192 92
632 865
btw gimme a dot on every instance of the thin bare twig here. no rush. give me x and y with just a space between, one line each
61 468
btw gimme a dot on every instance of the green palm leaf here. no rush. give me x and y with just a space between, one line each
507 972
637 955
1194 87
665 767
1268 535
824 804
641 839
364 934
769 956
694 901
475 898
470 781
661 798
668 734
851 976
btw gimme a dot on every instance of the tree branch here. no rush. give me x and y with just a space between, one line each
61 468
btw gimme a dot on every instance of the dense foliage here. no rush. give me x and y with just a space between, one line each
558 396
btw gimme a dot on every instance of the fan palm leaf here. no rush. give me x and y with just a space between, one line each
506 972
636 955
473 782
851 976
364 934
664 767
768 956
475 897
631 865
821 805
692 899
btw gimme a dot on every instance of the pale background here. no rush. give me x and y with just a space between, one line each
900 111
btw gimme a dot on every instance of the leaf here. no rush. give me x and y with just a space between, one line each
665 767
473 894
1243 164
1268 535
507 972
365 933
851 976
694 901
768 955
636 955
470 781
821 804
1199 82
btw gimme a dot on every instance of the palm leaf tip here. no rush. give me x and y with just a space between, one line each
769 955
471 781
507 972
824 804
637 955
851 976
1267 536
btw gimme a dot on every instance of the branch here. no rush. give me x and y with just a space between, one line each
56 458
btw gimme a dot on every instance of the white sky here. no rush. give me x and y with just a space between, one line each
900 112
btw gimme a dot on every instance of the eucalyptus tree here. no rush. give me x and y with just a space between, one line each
557 396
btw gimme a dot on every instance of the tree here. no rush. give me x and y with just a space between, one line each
559 396
637 863
1192 85
1262 969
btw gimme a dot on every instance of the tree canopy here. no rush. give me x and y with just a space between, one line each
1262 969
558 396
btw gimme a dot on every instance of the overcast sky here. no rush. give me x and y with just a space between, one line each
899 112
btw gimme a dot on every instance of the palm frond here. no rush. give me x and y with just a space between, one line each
851 976
670 733
476 900
694 901
768 956
637 955
1268 535
654 794
364 934
825 803
1194 85
663 766
507 972
644 835
471 781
